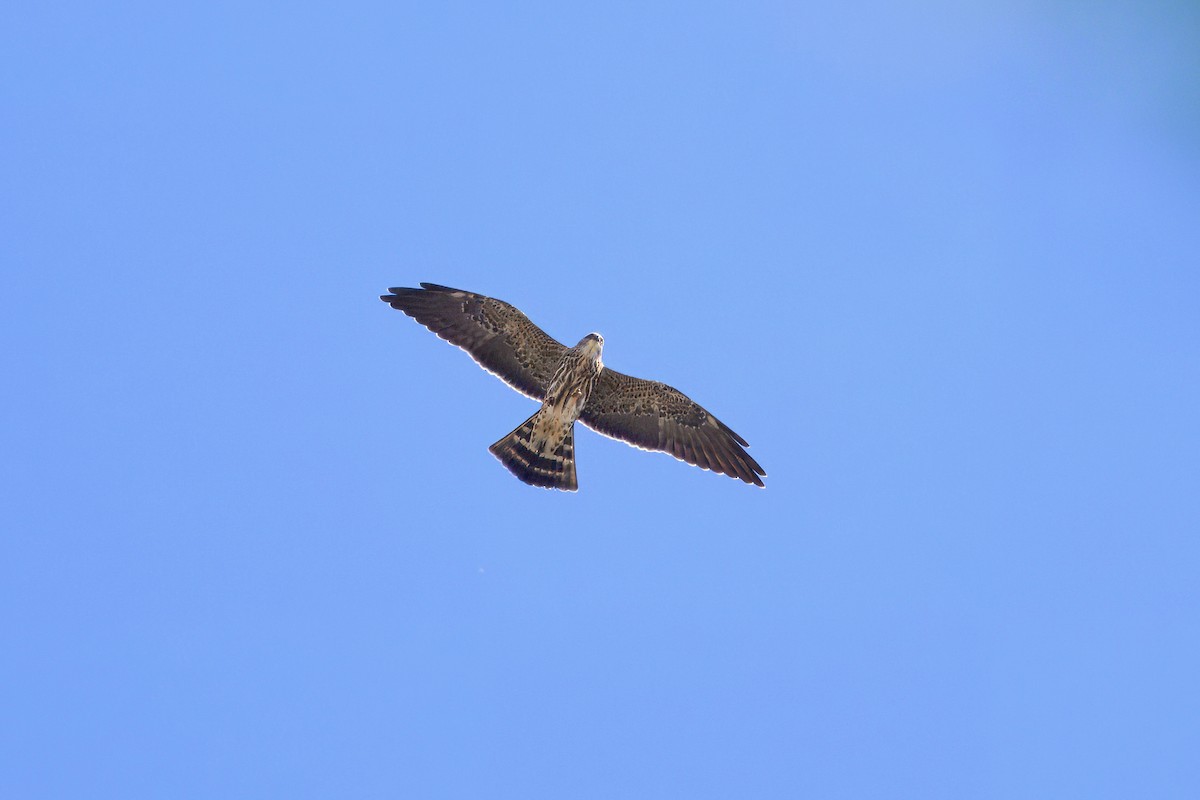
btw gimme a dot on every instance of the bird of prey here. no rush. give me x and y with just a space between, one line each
572 384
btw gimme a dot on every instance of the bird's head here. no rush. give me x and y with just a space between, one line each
591 345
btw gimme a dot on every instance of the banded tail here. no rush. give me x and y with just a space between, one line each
554 470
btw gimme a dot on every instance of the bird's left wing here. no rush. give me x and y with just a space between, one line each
654 416
500 338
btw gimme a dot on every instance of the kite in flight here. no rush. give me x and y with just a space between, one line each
572 384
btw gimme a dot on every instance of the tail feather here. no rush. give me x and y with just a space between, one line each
555 470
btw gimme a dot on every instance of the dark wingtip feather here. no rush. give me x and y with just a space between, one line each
397 293
732 433
755 471
740 464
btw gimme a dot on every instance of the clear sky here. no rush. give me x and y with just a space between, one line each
940 265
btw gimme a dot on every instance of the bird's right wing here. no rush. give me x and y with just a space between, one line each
654 416
500 338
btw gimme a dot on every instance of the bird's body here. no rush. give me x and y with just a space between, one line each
571 384
541 451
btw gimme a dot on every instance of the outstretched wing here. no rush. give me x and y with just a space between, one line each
654 416
500 338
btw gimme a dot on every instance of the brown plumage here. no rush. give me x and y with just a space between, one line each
571 383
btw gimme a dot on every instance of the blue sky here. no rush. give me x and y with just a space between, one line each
938 265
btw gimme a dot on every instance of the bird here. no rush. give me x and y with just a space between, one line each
571 383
